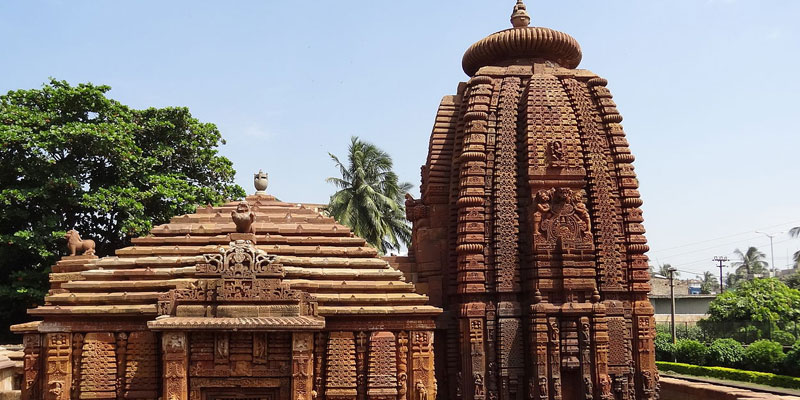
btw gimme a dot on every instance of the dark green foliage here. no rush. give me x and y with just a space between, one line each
690 352
764 355
71 158
726 353
665 350
761 378
783 337
791 365
370 198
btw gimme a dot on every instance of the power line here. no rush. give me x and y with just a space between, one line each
728 236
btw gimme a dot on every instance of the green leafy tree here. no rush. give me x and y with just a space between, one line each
764 304
793 280
751 262
370 198
72 158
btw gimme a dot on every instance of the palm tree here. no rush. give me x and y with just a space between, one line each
795 232
663 270
709 283
752 262
370 198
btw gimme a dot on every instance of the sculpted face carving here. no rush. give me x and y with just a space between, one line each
244 218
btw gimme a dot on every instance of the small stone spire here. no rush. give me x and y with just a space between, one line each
520 17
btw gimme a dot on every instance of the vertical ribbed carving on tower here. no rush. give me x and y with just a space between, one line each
532 209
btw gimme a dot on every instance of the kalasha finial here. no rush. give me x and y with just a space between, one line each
520 17
261 180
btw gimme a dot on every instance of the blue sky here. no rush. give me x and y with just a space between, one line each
707 89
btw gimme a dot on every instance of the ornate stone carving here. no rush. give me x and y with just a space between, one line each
564 220
422 370
244 218
341 367
75 244
58 366
175 365
402 365
302 365
507 219
382 381
31 366
98 366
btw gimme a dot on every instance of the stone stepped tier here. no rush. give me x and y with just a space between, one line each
319 256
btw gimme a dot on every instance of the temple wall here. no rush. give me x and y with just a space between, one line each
382 364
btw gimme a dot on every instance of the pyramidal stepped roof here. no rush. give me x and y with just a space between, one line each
319 256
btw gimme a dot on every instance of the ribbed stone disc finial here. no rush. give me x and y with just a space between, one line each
520 17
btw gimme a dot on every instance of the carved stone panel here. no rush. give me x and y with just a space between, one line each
31 367
341 367
175 365
302 365
98 367
57 384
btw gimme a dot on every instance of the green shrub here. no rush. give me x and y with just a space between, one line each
665 350
791 365
764 355
690 352
726 353
783 337
761 378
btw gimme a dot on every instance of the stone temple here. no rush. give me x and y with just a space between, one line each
527 268
529 233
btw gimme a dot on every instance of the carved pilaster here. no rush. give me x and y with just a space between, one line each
302 366
176 363
122 357
422 372
554 341
382 380
32 366
402 365
319 362
58 380
77 349
361 365
537 381
341 378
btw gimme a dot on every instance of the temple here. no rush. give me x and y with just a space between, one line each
529 230
527 266
257 299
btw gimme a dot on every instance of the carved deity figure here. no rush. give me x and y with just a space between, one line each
543 198
542 387
581 211
244 218
75 244
422 393
478 384
588 388
556 152
459 384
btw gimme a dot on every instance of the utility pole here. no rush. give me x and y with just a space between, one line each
720 260
672 298
771 249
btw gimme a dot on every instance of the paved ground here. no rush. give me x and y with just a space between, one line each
677 387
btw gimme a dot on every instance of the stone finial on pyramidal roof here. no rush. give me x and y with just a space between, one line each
520 17
261 180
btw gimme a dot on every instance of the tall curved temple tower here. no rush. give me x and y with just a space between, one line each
529 232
